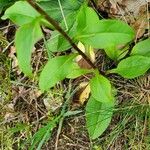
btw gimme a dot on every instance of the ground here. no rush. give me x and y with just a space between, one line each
24 109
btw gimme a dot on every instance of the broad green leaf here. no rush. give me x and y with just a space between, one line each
87 20
98 117
107 33
142 48
54 9
56 70
21 13
101 89
26 37
132 66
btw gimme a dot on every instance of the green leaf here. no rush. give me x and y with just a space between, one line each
56 70
101 89
25 38
87 20
132 66
142 48
21 13
98 117
54 10
107 33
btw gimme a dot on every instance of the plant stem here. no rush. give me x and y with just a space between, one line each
60 30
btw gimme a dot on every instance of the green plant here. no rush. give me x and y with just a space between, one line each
5 3
78 24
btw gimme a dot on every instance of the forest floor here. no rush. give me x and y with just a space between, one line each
24 109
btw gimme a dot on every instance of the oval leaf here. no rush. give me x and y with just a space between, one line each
101 89
87 20
25 38
54 9
55 70
107 33
21 13
98 117
133 66
142 48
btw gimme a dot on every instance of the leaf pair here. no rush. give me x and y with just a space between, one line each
84 25
102 34
137 64
59 68
30 32
101 103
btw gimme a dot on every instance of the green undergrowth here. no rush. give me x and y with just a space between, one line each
118 101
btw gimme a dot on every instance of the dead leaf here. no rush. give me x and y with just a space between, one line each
142 22
8 117
82 95
89 51
35 93
82 48
85 94
52 105
52 101
83 64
